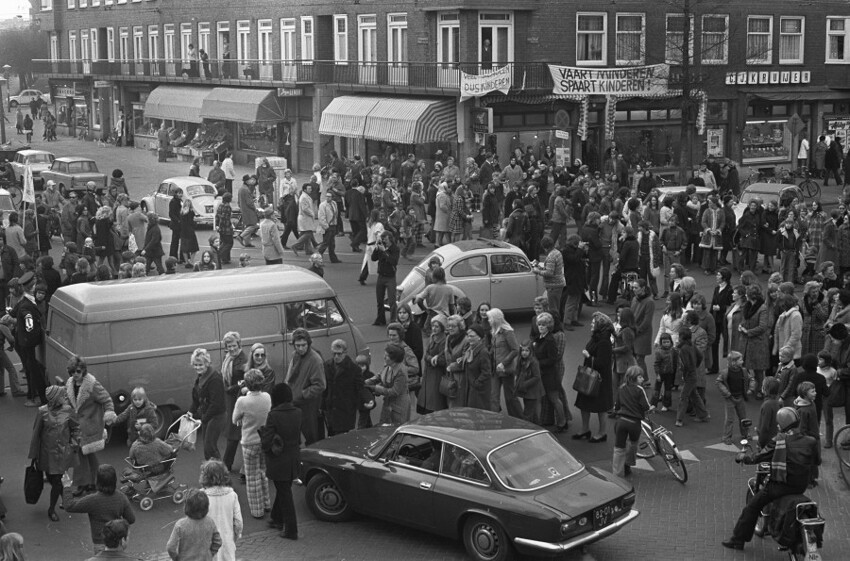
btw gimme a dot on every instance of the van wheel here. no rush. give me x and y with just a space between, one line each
164 418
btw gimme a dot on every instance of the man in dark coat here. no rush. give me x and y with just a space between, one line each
342 396
174 206
576 279
281 443
152 251
250 218
357 214
29 334
8 268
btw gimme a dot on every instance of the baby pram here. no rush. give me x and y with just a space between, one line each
148 483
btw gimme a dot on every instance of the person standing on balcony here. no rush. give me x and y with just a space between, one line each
192 56
205 62
486 55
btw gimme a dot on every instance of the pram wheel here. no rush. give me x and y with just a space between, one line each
178 497
146 503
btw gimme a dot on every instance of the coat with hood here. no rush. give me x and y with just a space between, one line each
430 398
789 331
92 409
755 344
55 435
601 359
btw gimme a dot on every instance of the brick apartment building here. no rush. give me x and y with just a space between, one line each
298 80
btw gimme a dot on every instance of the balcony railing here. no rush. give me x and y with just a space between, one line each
419 75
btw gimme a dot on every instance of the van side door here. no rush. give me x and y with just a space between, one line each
258 324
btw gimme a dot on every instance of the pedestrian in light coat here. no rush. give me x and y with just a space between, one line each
307 222
248 208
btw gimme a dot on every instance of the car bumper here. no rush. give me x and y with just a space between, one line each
584 539
205 220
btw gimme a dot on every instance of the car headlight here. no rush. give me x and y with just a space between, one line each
574 526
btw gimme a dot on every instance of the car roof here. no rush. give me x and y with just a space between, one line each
673 189
124 299
31 152
74 159
768 187
475 429
456 249
185 180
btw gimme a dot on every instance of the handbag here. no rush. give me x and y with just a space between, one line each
588 381
33 484
837 395
448 386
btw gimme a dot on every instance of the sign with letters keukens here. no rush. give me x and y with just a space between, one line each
630 80
477 85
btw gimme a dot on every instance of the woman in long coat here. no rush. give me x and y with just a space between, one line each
233 372
713 224
281 442
546 352
477 369
103 235
769 231
815 311
391 383
55 436
732 320
820 156
455 345
599 355
460 211
442 215
434 368
755 333
374 229
188 239
93 410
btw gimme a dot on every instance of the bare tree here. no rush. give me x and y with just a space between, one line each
19 47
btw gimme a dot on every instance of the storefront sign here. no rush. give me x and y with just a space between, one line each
764 77
102 84
64 91
289 92
562 134
636 80
839 128
482 120
477 85
715 139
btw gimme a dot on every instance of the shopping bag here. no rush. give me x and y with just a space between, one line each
187 433
33 484
588 381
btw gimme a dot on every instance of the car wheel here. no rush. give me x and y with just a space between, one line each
13 104
164 418
485 540
326 500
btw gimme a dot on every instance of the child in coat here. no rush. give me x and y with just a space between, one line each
364 411
139 412
666 364
767 414
407 241
735 384
809 425
529 384
195 536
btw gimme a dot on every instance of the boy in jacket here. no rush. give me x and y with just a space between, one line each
735 385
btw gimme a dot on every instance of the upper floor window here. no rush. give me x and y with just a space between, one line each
630 39
495 39
72 4
837 45
676 47
759 39
54 46
591 32
791 33
287 39
397 37
110 44
72 45
307 36
367 32
341 38
715 39
448 37
95 3
83 3
47 5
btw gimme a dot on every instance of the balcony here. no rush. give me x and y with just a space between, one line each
395 77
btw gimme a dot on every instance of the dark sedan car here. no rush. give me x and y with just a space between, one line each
499 483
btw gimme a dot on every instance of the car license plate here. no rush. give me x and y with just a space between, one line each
602 516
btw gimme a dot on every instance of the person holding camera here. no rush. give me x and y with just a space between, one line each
386 254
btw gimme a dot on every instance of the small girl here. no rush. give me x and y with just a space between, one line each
195 535
244 260
529 384
767 414
206 262
88 250
633 408
666 363
139 412
829 373
364 411
406 234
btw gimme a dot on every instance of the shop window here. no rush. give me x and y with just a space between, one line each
675 114
512 121
658 114
675 48
791 33
81 113
766 141
828 108
837 45
759 39
535 119
715 39
630 39
63 109
717 111
591 30
639 115
95 109
779 110
657 144
621 116
258 137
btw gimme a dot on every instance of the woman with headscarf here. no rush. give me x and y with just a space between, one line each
598 354
434 368
477 370
55 436
258 359
815 312
455 345
505 351
391 384
233 375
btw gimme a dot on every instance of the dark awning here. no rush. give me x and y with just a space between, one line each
802 93
178 103
242 105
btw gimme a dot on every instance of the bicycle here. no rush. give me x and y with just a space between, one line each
809 187
657 440
841 444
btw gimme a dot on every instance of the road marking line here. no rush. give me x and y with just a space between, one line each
688 455
643 464
724 447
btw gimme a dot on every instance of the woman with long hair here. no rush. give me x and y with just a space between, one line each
671 320
633 408
188 239
504 349
224 507
624 347
546 351
233 373
391 384
434 368
755 334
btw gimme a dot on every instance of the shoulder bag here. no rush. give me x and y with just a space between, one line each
588 381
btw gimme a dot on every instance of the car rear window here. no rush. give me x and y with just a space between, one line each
195 190
39 159
82 167
533 462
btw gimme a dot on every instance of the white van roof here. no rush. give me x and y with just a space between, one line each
165 295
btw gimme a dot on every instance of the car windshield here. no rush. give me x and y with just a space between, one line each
533 462
195 190
6 203
748 196
82 167
40 159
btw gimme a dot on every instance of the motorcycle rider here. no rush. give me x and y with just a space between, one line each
792 457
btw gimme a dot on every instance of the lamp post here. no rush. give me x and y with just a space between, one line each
3 82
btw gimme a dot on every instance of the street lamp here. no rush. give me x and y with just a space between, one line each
3 81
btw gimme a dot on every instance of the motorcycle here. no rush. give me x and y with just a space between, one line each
801 536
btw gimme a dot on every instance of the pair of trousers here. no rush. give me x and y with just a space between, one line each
385 287
283 509
531 409
789 265
746 524
553 295
665 380
225 248
288 229
606 271
156 261
571 308
34 370
508 384
228 185
304 241
358 233
690 394
559 234
256 484
6 365
174 250
212 431
645 272
626 435
248 232
554 398
593 268
309 419
735 407
329 243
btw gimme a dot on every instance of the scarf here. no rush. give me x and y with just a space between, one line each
470 352
227 369
778 466
750 308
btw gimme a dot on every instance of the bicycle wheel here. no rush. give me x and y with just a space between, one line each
839 441
646 444
810 188
672 458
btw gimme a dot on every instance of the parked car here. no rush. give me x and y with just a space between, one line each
780 193
498 483
7 205
26 96
71 173
672 191
38 160
201 192
485 270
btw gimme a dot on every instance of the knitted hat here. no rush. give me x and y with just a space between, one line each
477 329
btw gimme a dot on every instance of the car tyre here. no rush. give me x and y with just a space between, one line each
13 104
326 500
164 418
486 540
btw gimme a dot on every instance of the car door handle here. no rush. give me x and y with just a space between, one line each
495 281
424 485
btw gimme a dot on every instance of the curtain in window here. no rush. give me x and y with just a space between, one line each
758 39
629 31
789 39
590 37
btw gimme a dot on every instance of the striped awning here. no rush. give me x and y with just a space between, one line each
242 105
399 120
346 116
178 103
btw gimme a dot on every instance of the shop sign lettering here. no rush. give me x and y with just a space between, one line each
477 85
765 77
635 80
64 91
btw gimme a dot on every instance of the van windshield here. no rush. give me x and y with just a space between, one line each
62 330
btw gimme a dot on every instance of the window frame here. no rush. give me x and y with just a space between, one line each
53 46
265 31
703 48
340 39
288 29
308 39
495 20
642 54
72 45
449 21
801 36
168 43
123 43
153 42
367 23
397 41
110 44
46 5
138 33
769 54
94 45
844 33
667 58
579 34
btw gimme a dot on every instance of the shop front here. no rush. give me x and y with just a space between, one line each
179 108
71 107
